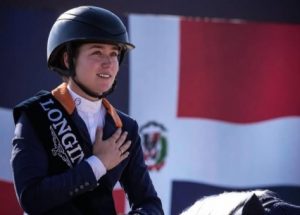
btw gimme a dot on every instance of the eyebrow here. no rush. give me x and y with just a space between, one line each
115 47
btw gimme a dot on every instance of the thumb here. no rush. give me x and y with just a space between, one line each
99 133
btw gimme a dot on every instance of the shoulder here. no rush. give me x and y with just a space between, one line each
128 121
34 98
28 103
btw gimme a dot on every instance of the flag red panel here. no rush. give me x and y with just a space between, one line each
120 200
8 200
239 72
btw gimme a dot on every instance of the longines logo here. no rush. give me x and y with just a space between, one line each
65 143
154 144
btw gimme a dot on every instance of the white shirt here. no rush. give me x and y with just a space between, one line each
93 114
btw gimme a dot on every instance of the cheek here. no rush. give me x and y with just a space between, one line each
116 68
80 70
83 68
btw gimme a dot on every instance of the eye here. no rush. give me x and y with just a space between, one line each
97 53
115 54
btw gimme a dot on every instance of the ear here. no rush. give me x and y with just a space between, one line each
253 206
66 60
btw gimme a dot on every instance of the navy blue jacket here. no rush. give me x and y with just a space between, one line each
76 190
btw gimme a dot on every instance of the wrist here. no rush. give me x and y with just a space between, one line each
97 166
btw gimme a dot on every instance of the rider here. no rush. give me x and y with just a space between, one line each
71 146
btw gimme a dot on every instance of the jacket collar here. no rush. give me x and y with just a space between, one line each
62 95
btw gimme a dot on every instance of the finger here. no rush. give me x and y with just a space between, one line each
125 146
116 135
122 138
99 133
121 152
124 155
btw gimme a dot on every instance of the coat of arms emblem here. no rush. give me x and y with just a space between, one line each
154 144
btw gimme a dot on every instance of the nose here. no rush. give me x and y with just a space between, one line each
106 60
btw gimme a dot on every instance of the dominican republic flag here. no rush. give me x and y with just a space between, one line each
218 103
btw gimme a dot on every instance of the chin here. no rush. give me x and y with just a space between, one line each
101 91
102 88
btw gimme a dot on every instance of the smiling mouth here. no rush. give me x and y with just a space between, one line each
105 76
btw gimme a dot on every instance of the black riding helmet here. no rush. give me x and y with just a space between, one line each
80 25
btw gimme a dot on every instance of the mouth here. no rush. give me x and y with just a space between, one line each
104 76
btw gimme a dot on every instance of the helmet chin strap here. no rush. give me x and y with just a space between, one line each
93 94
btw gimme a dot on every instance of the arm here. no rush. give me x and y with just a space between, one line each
137 183
36 190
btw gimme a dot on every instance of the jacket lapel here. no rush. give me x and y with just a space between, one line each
82 127
109 127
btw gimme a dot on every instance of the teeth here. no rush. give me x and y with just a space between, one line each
103 75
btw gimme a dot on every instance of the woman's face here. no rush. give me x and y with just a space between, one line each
96 67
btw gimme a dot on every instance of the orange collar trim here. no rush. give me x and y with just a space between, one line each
112 111
61 93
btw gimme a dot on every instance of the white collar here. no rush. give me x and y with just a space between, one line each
85 105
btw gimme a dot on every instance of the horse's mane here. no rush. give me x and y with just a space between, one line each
228 203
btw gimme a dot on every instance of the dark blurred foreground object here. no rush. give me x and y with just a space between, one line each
257 202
